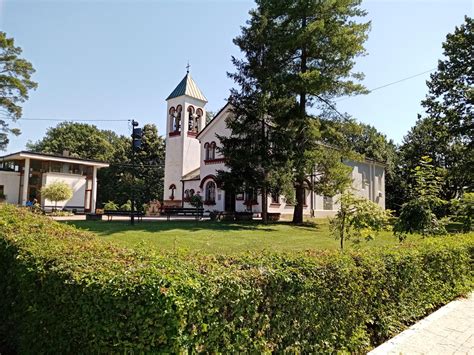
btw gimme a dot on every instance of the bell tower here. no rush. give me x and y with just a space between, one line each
186 117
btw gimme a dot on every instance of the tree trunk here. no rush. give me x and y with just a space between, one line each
264 205
298 213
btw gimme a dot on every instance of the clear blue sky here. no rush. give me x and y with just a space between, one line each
120 59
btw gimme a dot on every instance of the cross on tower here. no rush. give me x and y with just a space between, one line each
187 68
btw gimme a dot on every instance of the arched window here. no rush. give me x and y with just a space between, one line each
172 113
206 150
211 192
191 193
186 195
199 114
172 188
191 118
212 150
177 118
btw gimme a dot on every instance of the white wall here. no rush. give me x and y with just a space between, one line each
76 182
11 184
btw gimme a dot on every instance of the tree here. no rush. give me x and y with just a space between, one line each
15 83
418 214
299 54
57 191
463 210
357 218
445 134
115 182
79 139
451 95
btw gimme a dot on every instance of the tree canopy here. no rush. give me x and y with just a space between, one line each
15 84
298 55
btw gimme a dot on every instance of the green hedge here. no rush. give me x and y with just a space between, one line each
64 291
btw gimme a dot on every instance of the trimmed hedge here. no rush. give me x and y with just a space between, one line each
64 291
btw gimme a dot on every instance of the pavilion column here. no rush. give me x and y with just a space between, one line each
94 190
26 178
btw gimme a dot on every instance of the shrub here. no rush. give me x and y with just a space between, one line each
111 206
358 218
127 206
64 291
463 210
416 216
57 191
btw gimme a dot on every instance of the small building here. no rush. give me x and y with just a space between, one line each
24 174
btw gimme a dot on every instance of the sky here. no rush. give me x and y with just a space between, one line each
119 60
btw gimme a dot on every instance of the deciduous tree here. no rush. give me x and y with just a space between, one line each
15 84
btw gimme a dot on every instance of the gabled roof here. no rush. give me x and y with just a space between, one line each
192 175
187 87
215 118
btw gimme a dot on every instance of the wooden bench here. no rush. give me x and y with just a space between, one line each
181 211
111 213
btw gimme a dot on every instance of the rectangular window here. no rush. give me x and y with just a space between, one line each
2 190
55 167
275 197
327 203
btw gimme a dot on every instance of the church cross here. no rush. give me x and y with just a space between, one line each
187 68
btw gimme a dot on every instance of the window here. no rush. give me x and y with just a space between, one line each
212 151
199 114
327 203
365 181
275 197
210 192
191 193
55 167
75 169
172 188
2 191
191 119
206 150
175 118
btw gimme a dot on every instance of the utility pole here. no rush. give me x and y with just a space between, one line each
136 144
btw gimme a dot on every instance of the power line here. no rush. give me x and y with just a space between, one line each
64 119
392 83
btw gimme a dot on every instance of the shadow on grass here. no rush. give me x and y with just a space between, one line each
105 228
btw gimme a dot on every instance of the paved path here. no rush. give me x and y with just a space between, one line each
449 330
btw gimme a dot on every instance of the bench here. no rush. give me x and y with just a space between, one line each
111 213
182 211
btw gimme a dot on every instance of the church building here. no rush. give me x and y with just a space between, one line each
192 161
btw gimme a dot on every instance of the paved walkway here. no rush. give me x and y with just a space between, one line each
449 330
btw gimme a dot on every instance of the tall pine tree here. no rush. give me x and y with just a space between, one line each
298 55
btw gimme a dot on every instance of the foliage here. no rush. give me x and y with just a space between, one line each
418 215
446 133
358 218
127 206
57 191
65 291
196 201
463 210
115 182
298 55
81 140
111 206
15 82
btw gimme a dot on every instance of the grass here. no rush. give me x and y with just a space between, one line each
225 238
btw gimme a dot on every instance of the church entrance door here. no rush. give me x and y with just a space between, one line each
229 201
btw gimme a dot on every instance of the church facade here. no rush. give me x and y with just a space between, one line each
192 161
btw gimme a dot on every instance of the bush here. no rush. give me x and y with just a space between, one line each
416 216
463 210
57 191
64 291
111 206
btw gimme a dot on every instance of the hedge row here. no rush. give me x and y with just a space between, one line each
63 291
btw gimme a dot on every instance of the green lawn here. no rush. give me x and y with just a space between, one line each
222 237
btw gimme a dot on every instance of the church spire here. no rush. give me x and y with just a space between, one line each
187 87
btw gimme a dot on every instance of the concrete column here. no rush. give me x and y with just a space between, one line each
94 190
26 178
